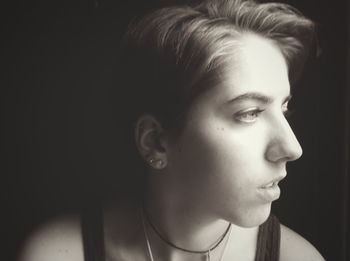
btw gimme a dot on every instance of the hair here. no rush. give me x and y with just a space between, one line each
172 55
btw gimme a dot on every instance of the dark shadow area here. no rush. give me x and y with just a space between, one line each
61 134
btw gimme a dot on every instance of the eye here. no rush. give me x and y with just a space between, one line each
248 116
286 111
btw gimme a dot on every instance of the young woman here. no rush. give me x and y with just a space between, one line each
209 87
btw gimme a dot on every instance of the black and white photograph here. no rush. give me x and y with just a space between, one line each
175 130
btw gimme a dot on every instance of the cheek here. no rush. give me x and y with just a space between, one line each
219 156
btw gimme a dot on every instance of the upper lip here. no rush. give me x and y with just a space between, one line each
275 180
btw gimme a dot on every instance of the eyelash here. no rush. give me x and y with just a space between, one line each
286 111
254 113
240 117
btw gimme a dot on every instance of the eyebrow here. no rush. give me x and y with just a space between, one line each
257 97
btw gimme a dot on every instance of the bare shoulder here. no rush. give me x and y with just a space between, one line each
294 247
57 240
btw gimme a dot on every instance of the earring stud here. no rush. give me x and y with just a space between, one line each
156 162
160 163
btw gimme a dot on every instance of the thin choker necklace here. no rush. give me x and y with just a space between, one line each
207 252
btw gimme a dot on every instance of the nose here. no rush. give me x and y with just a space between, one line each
283 145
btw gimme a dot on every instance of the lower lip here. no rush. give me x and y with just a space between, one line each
269 194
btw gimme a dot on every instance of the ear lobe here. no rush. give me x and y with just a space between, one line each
149 139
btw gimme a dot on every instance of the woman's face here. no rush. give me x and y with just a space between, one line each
236 141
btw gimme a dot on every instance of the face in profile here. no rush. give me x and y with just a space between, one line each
236 142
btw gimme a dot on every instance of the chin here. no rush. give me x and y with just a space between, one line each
253 218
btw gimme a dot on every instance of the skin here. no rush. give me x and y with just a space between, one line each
228 149
236 140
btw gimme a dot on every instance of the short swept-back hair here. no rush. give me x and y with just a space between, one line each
172 55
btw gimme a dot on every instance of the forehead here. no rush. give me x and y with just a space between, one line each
258 66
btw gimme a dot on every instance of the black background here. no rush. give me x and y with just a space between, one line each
59 135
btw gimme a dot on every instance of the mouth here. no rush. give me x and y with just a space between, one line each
273 183
270 185
270 191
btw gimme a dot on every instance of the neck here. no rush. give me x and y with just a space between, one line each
181 224
188 225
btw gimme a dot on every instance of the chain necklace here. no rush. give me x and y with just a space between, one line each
207 252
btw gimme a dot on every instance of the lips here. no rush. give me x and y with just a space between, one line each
270 185
273 182
270 191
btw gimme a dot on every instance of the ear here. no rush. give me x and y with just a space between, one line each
150 141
